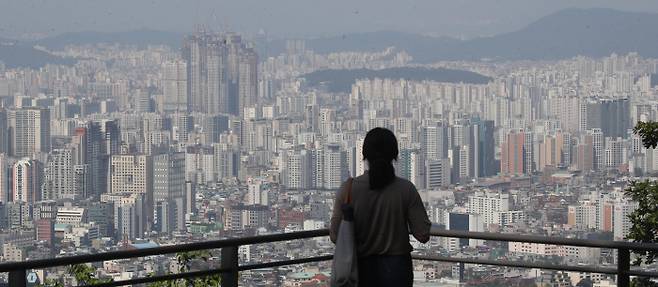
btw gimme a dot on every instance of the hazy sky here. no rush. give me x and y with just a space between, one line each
280 18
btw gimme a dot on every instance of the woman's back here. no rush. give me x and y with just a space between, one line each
383 218
385 209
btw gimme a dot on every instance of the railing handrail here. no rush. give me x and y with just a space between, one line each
216 244
168 249
230 266
513 237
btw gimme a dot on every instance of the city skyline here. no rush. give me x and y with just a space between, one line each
124 146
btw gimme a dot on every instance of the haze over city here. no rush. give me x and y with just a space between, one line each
137 136
290 18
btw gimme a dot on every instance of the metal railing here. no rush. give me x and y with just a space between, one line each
229 266
622 271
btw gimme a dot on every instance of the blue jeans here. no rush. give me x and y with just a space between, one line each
386 270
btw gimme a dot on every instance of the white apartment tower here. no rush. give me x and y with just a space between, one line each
174 86
488 205
29 130
334 166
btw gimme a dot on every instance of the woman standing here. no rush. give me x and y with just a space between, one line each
386 209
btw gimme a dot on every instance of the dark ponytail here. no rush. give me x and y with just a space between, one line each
380 148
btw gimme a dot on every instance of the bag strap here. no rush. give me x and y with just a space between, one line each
348 198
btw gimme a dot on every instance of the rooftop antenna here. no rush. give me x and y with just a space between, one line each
197 27
214 22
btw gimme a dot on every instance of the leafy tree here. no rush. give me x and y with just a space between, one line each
648 131
643 282
84 275
644 219
51 283
185 261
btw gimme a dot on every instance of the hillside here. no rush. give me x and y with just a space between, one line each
140 38
564 34
342 80
19 55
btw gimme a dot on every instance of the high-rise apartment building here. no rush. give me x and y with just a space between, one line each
169 191
434 141
222 73
4 132
583 215
213 126
130 214
214 86
247 80
614 153
226 161
595 138
555 151
612 116
142 101
94 142
5 179
29 131
335 167
463 222
621 220
174 87
513 156
437 173
486 163
133 174
26 180
59 176
297 169
182 124
488 205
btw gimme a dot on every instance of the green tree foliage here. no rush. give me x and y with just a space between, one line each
643 282
185 261
644 219
51 283
648 131
84 275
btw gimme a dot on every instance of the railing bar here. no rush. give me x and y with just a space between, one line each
545 240
517 264
17 278
125 254
230 260
216 244
285 262
211 272
642 273
167 277
623 266
329 257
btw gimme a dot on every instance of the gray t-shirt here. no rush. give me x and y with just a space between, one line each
383 218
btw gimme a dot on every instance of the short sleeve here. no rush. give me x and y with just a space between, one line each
419 222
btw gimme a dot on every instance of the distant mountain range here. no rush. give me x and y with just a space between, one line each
564 34
140 38
342 80
21 55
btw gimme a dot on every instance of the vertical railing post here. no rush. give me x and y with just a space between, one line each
230 261
18 278
623 266
461 272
